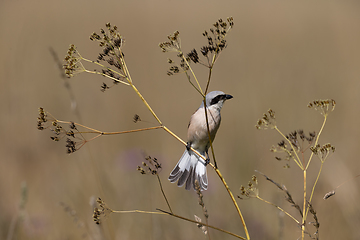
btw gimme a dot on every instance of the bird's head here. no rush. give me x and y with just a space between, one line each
216 99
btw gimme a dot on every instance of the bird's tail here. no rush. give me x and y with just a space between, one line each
190 168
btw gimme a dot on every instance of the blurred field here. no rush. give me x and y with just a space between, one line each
280 54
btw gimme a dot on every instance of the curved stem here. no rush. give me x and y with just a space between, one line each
316 141
288 214
313 189
163 193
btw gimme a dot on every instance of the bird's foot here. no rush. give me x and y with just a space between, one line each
188 146
207 161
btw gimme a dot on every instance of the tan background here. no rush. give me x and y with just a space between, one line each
281 54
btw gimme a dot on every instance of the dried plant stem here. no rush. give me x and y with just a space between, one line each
313 189
297 159
234 201
145 102
316 141
192 84
163 193
288 214
304 211
210 73
192 72
100 133
136 211
193 221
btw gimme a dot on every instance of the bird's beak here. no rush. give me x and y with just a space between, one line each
228 96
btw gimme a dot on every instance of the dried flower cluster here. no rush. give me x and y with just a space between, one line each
251 190
174 45
322 152
323 106
111 42
297 139
73 143
153 166
215 44
73 62
216 39
42 119
267 121
101 212
299 142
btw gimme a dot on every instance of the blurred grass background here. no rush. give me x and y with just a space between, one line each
280 55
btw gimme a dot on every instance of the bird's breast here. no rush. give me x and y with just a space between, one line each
197 131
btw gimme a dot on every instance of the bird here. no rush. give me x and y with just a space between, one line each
191 167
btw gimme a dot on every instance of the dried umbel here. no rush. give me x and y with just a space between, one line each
111 55
101 212
267 121
322 152
216 42
152 166
323 106
251 190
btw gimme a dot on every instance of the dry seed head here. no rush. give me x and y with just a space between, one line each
267 121
101 212
323 106
322 152
298 137
73 62
251 191
193 55
153 166
173 45
41 119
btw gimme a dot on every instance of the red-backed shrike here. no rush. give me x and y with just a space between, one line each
191 167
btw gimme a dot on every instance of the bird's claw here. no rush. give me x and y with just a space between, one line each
207 161
188 146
